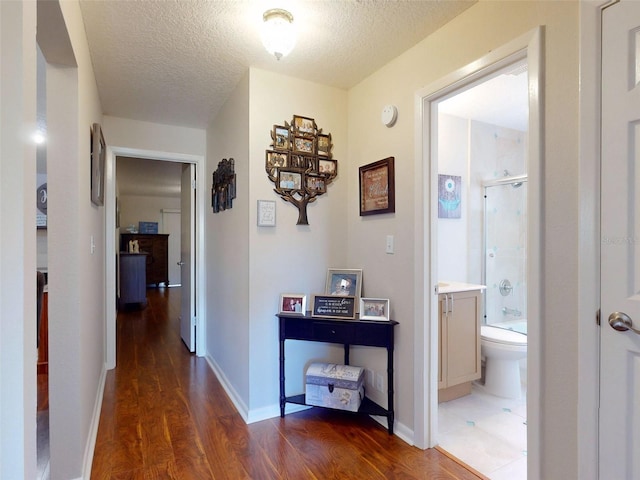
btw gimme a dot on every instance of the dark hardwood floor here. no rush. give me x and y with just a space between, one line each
166 416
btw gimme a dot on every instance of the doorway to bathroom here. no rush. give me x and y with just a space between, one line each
481 150
482 220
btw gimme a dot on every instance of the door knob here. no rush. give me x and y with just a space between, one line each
181 263
622 322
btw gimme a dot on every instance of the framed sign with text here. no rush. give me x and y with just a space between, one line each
331 306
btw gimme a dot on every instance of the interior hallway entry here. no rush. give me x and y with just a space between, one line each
165 415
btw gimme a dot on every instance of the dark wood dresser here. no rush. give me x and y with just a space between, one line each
156 246
133 283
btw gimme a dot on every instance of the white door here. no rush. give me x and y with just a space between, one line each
187 257
619 418
172 224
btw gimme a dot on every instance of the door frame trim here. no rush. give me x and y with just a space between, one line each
590 131
111 245
529 46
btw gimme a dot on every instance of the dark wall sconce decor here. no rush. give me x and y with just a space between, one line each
300 163
223 189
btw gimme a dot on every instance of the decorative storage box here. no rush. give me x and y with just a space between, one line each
335 386
148 227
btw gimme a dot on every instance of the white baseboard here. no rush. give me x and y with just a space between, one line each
90 447
233 395
273 411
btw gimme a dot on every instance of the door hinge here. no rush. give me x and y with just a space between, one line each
193 321
193 184
598 317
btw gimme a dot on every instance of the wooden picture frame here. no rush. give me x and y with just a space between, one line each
331 306
315 183
343 282
327 167
324 145
374 309
304 145
281 140
304 126
98 156
377 187
275 159
293 303
289 180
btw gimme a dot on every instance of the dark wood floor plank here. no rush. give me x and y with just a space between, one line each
165 415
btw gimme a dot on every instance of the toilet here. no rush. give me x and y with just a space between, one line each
503 349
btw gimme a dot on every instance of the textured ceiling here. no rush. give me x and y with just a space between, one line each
176 62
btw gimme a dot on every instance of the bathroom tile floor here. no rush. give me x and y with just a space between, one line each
486 432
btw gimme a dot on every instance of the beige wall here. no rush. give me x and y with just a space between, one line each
228 250
291 258
138 208
472 35
250 266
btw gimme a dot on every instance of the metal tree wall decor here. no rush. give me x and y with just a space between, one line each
300 163
223 188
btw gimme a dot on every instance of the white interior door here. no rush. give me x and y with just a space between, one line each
619 418
187 257
172 224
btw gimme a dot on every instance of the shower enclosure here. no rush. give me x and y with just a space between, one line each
505 259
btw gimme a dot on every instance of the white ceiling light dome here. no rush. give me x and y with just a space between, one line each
278 32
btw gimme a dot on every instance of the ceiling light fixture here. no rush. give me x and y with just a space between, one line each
278 33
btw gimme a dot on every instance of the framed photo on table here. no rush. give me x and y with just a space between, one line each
377 187
343 282
293 303
374 309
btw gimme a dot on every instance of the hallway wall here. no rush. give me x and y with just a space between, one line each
477 31
250 266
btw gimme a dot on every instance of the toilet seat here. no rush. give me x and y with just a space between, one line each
502 336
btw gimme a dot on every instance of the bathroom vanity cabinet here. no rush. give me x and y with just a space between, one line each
460 310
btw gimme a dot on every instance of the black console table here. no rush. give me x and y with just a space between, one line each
347 332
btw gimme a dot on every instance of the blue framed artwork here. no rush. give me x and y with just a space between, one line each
449 196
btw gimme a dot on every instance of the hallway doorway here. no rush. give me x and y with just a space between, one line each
482 136
197 241
522 51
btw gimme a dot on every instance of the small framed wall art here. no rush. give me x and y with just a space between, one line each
266 213
377 187
98 155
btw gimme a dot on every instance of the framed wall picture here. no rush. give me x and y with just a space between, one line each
374 309
266 213
304 145
293 303
304 126
449 196
41 201
377 187
280 137
98 155
289 180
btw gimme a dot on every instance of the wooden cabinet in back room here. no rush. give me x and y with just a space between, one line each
156 246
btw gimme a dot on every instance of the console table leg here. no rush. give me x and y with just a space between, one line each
390 416
282 395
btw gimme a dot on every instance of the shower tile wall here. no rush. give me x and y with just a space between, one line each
506 225
494 150
478 152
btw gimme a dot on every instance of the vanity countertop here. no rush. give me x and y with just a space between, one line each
452 287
